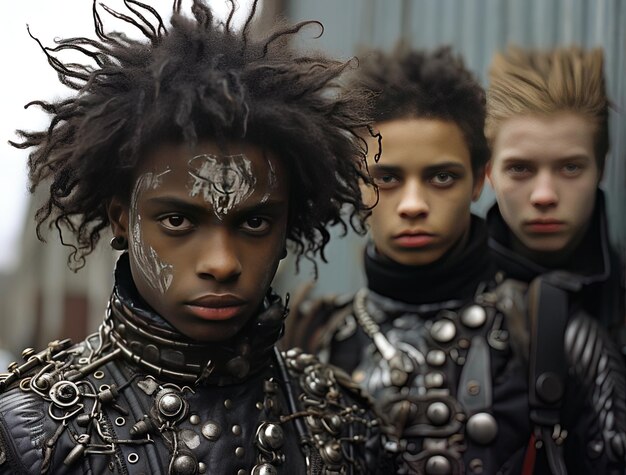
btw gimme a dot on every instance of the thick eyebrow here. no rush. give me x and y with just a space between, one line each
380 168
443 166
267 206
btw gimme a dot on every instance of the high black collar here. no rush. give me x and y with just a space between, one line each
590 261
151 343
455 276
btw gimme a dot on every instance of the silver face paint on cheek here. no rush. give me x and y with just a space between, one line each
223 181
156 273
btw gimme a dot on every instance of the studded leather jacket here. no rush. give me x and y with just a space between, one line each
137 397
452 379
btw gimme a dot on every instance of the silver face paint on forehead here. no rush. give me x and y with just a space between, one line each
271 180
224 181
156 273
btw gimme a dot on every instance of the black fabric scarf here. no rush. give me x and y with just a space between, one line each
455 276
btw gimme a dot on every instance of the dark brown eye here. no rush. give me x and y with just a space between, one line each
256 225
176 222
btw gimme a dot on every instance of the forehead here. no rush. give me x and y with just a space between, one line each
178 164
545 137
417 143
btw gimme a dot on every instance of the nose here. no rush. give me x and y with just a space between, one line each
544 193
218 259
412 203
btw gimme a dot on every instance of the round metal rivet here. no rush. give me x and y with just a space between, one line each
476 466
259 405
194 419
242 471
236 429
202 467
436 357
264 469
474 316
120 421
443 330
438 413
438 465
228 404
211 431
239 452
132 458
433 380
170 405
270 436
184 465
482 428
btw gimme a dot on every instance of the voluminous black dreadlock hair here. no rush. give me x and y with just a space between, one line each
419 84
196 79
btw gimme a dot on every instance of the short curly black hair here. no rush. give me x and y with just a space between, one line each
408 83
198 78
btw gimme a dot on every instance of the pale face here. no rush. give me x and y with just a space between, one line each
426 187
206 231
545 175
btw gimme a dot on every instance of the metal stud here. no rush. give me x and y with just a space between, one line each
211 431
236 429
438 413
270 436
434 380
184 464
443 330
228 404
482 428
264 469
435 357
202 467
242 471
194 419
239 452
474 316
438 465
170 405
27 353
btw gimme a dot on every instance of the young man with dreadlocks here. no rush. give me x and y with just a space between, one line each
439 341
204 151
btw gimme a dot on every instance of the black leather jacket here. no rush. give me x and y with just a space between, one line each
477 385
137 397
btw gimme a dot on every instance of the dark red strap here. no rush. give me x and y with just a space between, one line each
529 458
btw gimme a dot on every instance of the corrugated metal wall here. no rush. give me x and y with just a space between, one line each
476 29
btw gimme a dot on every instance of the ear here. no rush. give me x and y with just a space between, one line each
488 170
479 182
118 217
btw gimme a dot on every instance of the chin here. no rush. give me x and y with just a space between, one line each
546 244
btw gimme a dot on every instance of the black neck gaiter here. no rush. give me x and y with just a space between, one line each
455 276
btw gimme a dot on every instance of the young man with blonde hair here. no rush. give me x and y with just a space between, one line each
547 124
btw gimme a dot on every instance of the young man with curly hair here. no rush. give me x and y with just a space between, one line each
446 348
548 126
204 151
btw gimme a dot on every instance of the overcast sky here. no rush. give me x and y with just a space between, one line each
26 76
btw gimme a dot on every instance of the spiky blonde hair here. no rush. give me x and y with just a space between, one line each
546 82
